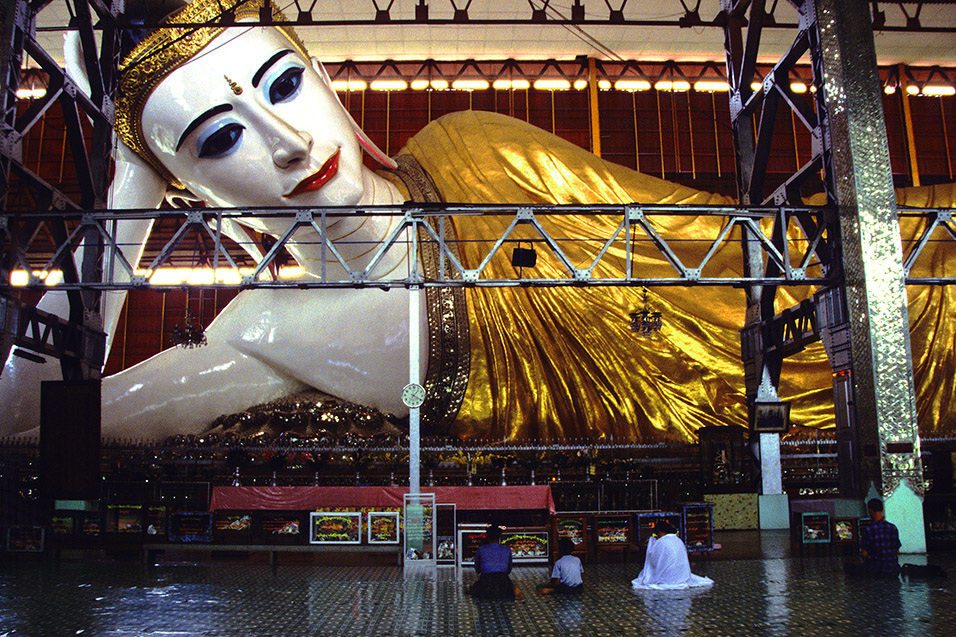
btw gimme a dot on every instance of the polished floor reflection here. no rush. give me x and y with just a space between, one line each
766 593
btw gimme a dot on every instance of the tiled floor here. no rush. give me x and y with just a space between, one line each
760 590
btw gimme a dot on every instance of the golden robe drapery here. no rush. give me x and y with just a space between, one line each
561 363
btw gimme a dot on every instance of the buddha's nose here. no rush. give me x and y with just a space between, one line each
292 149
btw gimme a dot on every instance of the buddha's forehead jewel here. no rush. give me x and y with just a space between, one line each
169 48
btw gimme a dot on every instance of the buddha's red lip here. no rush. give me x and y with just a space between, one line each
319 178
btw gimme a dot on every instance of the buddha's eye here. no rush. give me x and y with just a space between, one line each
286 85
221 141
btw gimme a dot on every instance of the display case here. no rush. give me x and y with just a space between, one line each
647 524
124 519
698 525
815 527
527 545
861 525
845 530
188 526
470 538
446 521
383 527
343 527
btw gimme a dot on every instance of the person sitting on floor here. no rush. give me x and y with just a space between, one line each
879 545
493 564
567 574
666 564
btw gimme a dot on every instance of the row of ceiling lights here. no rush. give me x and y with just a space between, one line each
35 90
557 84
162 276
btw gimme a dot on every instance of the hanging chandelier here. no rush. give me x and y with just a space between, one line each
645 323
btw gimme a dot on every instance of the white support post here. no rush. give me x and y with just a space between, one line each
414 376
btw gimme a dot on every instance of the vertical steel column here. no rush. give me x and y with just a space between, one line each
15 19
861 177
762 364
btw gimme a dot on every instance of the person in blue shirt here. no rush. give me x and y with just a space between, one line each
493 563
567 576
879 546
879 543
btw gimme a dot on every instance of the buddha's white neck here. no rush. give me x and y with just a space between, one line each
359 238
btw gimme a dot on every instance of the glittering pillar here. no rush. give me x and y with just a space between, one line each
882 369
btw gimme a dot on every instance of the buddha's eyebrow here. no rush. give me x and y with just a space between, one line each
193 125
265 67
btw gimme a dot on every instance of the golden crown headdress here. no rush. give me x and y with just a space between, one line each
168 48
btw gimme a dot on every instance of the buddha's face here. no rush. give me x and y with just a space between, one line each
250 122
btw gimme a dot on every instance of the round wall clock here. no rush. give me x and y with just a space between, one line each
413 395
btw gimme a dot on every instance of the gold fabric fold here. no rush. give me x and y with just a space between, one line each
561 363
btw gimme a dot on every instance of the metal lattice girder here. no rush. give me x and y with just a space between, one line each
937 226
37 331
689 260
609 247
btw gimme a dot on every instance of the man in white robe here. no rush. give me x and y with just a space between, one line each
666 565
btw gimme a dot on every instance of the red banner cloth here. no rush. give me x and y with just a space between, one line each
310 498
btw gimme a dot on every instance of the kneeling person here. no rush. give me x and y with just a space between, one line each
493 564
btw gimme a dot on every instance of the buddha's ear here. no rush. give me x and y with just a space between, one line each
377 153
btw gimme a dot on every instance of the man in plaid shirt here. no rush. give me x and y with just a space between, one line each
879 543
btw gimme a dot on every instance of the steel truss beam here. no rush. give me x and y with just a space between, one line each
456 12
792 260
46 334
690 261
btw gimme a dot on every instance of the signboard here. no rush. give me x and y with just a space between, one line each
383 527
232 526
338 527
91 525
62 526
25 539
815 528
190 527
699 526
612 529
419 529
156 520
527 546
280 527
573 527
